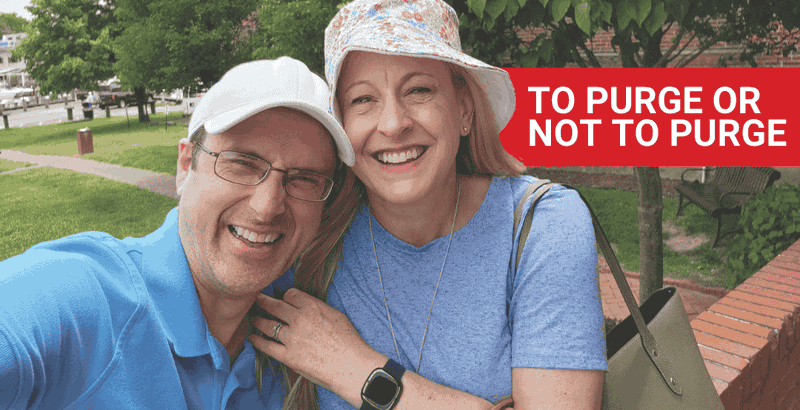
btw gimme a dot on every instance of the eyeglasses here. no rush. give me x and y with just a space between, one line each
246 169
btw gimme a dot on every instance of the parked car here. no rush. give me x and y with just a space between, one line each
111 95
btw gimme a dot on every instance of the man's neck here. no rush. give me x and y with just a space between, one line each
226 318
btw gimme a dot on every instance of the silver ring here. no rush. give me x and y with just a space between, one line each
275 330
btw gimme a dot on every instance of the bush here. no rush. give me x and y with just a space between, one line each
771 222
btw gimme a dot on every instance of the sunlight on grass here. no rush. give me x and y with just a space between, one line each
44 204
143 146
617 212
6 165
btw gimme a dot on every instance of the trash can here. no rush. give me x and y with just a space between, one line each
88 113
85 143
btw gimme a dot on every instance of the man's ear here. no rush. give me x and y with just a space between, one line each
185 148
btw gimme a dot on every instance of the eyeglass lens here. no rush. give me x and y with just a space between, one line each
247 170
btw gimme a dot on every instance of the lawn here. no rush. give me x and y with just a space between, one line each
156 148
44 203
617 213
6 165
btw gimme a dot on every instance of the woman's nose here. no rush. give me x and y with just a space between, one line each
394 118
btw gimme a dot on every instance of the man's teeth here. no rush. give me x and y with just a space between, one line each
397 158
255 237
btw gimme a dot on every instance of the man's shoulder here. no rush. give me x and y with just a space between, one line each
94 265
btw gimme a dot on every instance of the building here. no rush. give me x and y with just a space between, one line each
8 66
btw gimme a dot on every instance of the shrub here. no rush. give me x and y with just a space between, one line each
771 222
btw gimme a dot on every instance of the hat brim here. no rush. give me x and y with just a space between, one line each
223 122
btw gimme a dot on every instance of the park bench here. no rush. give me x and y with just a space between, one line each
727 192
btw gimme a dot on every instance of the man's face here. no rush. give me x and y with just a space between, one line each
216 217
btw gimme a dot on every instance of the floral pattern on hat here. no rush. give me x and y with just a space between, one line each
415 28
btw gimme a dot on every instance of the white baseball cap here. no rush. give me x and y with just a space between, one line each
252 87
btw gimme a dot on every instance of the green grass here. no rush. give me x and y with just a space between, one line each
145 146
617 212
6 165
44 204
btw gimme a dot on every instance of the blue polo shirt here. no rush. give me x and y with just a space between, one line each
90 321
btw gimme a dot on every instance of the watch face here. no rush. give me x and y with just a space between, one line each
382 390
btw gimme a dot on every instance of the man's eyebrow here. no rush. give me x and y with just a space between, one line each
253 154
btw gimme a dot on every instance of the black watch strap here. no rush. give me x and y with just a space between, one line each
391 369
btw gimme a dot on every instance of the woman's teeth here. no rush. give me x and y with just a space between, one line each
254 237
400 157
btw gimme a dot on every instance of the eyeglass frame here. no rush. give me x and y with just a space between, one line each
266 173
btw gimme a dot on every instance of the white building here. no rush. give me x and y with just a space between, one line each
8 66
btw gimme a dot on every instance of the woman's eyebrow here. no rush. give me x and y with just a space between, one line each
405 78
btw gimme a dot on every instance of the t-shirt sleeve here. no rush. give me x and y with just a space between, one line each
555 311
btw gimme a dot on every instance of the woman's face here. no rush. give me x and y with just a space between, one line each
404 119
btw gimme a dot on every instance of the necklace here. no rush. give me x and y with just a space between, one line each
427 321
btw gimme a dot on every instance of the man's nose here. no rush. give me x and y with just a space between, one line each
269 197
394 119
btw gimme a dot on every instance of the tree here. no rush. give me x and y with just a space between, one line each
68 44
562 28
167 44
12 23
294 28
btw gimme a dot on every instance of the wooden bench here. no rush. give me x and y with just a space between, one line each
727 192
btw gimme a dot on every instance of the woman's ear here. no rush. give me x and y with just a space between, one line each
467 111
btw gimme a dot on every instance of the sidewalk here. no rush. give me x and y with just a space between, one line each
696 299
163 184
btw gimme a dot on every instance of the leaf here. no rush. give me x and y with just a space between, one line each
643 10
477 6
623 18
582 17
495 7
659 18
530 60
522 3
608 10
560 8
544 2
512 8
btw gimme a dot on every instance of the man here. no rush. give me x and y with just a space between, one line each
90 321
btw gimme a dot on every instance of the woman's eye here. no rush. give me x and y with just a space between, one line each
419 90
359 100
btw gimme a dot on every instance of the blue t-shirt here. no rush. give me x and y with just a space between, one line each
90 321
486 319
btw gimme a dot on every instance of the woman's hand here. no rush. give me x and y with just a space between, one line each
317 341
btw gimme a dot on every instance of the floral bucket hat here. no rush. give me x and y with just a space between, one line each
414 28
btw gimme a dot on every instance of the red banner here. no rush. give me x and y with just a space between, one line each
655 117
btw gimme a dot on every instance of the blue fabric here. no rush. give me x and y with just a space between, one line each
551 306
90 321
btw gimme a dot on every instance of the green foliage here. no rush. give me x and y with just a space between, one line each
167 44
294 28
560 29
11 23
68 44
771 222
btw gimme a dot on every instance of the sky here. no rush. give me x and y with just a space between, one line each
16 6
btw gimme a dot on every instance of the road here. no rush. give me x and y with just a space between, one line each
57 113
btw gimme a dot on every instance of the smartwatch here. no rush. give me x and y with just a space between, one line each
383 387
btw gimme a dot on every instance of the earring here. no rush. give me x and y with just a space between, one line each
465 130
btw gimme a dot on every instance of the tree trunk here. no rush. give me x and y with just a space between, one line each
651 248
141 102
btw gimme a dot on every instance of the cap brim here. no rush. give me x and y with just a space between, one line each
225 121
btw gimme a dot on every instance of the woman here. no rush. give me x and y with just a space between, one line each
426 286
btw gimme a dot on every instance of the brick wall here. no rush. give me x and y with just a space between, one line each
749 338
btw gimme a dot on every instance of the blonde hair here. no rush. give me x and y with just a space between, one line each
479 153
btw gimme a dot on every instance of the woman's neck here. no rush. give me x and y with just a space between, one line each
421 221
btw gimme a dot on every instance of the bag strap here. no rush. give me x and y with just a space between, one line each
656 354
